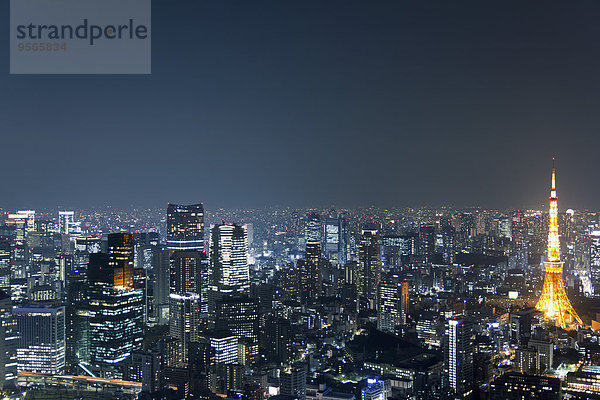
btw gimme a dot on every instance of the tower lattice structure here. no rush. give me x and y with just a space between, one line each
553 301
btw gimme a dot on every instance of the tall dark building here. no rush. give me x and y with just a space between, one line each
189 274
458 358
239 315
369 267
312 285
185 227
115 306
427 243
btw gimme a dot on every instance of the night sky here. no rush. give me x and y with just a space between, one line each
318 103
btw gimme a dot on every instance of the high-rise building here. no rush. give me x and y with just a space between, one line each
239 315
41 338
594 261
520 249
369 267
392 305
115 306
5 265
184 322
332 239
185 227
312 285
8 343
229 259
553 301
66 222
458 358
189 274
312 228
427 242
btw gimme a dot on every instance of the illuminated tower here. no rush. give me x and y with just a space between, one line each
553 301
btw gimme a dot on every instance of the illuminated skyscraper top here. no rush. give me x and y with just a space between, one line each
185 227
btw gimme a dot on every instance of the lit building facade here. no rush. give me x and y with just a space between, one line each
185 227
41 339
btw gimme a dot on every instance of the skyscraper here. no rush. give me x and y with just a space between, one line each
369 267
427 242
66 222
392 305
229 259
312 228
184 322
312 285
5 265
185 227
594 261
458 358
41 338
115 306
189 274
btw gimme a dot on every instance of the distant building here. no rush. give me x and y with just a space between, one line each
185 227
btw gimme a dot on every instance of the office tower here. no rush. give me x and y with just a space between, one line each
458 358
312 228
5 265
293 381
8 343
29 216
189 274
344 251
229 259
374 390
427 243
520 240
553 301
41 338
115 306
185 227
448 233
504 228
312 285
389 313
239 315
332 239
396 250
369 267
516 386
594 262
66 222
392 305
184 322
224 346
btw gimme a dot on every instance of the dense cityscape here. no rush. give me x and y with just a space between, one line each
305 304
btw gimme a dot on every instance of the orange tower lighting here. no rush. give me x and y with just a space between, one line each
553 301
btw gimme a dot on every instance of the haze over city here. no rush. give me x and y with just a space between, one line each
319 104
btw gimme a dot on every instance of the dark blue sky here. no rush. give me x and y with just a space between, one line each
317 103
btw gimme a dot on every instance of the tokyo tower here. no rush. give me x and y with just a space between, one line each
553 301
